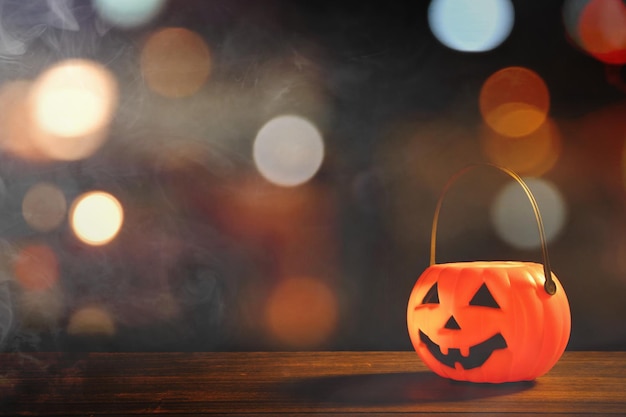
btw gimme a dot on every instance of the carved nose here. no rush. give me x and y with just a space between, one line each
452 324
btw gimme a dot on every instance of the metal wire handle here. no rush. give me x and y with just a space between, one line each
549 285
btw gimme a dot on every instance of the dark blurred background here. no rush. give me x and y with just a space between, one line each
277 164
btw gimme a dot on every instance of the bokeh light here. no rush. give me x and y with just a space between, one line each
471 25
16 135
288 150
72 104
96 217
36 267
254 208
602 30
44 207
175 62
302 312
599 136
128 14
513 218
533 154
41 309
91 321
514 101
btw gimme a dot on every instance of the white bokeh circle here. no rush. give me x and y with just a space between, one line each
288 150
513 219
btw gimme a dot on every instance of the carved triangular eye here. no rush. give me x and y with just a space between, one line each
484 298
432 296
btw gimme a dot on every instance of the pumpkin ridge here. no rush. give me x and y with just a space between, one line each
522 288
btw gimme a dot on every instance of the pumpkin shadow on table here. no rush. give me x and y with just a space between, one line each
395 388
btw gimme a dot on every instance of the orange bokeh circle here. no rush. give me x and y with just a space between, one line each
301 312
533 154
175 62
36 267
514 101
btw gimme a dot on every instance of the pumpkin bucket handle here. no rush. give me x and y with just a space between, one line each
549 285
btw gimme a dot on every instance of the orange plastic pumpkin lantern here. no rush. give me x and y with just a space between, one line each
489 321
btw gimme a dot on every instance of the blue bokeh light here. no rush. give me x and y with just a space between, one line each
471 25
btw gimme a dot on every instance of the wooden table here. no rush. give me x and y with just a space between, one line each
297 383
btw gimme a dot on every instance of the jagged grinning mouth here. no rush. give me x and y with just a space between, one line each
478 354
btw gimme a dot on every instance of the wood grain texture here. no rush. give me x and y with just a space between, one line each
294 383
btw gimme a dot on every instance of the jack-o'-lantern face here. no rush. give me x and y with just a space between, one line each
472 356
487 321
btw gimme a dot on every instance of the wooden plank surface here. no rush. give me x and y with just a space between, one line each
295 383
